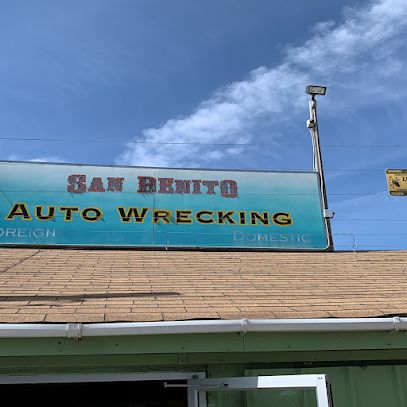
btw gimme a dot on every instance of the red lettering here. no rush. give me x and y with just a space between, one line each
76 183
114 184
211 186
228 188
96 185
182 186
196 186
146 184
166 185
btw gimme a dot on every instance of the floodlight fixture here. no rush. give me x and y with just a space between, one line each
315 90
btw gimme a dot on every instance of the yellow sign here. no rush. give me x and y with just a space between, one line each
397 182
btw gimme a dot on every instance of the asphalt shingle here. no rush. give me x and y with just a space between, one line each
67 285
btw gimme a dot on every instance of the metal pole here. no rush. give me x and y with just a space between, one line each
318 167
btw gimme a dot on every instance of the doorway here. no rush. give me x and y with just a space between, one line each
111 394
99 390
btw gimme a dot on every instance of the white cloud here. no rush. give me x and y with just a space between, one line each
359 53
44 159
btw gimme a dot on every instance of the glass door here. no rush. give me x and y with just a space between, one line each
198 388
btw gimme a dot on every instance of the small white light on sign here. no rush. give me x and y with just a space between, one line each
315 90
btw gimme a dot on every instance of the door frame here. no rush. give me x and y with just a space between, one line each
99 377
318 382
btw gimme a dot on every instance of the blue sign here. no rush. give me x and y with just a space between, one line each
78 205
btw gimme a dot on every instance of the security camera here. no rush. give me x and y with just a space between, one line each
310 123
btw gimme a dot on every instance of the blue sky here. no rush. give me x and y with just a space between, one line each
112 81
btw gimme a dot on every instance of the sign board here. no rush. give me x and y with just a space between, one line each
397 182
81 205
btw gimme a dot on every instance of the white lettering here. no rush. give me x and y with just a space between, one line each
238 236
272 238
11 232
27 233
22 232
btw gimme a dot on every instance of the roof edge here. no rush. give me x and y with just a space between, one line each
242 326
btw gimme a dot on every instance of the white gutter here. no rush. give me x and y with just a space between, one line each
242 326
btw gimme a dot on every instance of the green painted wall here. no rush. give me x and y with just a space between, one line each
365 368
205 343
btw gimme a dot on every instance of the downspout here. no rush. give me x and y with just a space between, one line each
242 326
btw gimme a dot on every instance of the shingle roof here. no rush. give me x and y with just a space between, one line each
63 285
